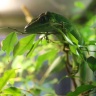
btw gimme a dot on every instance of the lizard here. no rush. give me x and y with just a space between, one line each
53 23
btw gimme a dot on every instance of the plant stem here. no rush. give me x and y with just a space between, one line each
68 69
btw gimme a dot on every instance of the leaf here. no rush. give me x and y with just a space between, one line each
56 63
12 91
73 39
47 56
79 4
33 48
81 89
24 45
82 54
9 42
92 37
65 37
68 40
74 49
92 63
7 75
50 95
91 42
44 89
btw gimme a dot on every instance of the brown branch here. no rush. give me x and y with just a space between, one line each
68 69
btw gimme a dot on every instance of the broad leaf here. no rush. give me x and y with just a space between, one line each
91 43
92 63
12 91
7 75
73 39
48 55
68 40
24 45
81 89
9 42
74 49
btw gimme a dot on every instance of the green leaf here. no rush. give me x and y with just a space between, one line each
73 39
74 49
33 48
92 37
44 89
81 89
24 45
48 55
7 75
9 42
79 4
54 67
50 95
65 37
12 91
68 40
92 63
91 42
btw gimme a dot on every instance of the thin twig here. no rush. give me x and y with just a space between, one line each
68 70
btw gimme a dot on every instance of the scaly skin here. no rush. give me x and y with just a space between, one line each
49 22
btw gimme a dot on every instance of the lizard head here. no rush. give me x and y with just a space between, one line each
40 24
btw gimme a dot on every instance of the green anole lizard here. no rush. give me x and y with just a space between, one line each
53 23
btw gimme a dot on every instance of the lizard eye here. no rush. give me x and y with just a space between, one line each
43 19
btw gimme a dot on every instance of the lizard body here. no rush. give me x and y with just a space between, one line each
51 22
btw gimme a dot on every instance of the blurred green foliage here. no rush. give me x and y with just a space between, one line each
29 62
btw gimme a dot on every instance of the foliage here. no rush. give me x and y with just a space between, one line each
28 56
